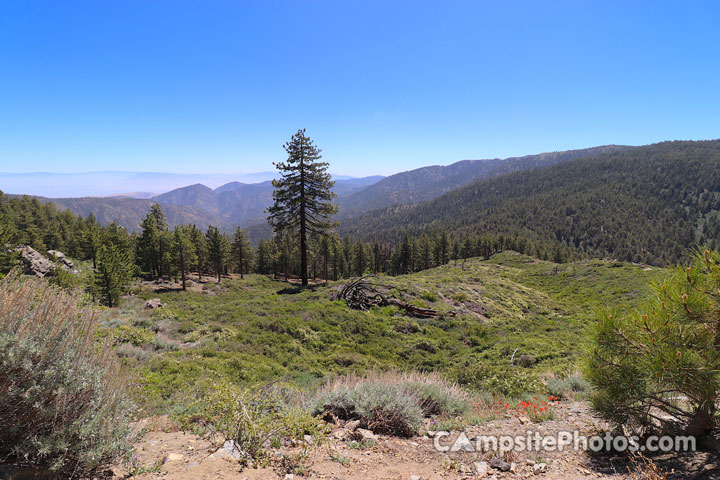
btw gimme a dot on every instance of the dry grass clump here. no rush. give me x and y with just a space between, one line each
392 403
62 401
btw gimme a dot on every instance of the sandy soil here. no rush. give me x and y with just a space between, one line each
184 456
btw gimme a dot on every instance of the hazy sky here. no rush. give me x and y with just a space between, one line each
218 86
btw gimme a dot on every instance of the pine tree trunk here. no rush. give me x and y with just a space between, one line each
303 228
182 269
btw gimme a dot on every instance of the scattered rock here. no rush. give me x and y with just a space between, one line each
35 263
228 450
289 476
175 457
513 467
153 303
481 468
539 468
414 477
499 464
352 425
339 433
523 420
366 434
65 263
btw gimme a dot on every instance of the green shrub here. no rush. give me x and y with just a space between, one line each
506 381
379 407
127 334
391 403
560 387
62 401
253 418
663 358
430 296
437 399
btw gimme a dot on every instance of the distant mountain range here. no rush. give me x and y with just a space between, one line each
227 206
243 204
430 182
647 204
114 183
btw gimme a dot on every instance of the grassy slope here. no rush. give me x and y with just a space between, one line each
253 330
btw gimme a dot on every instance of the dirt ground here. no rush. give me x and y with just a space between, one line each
177 455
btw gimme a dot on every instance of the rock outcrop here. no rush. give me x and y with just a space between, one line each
64 262
35 263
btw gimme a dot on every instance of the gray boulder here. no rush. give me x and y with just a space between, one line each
65 263
34 262
153 304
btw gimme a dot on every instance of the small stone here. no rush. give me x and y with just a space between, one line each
228 450
530 462
523 420
414 477
175 457
308 438
499 464
431 433
339 433
539 468
366 434
513 467
352 425
289 476
481 468
193 464
153 303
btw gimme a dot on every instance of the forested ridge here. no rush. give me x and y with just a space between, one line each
427 183
648 204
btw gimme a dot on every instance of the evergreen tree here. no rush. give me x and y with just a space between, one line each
263 263
199 242
7 255
242 251
360 259
91 239
302 196
218 250
325 255
152 244
113 274
183 251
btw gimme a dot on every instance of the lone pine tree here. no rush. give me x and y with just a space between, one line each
302 196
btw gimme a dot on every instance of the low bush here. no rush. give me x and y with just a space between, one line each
390 403
62 399
507 381
562 387
252 419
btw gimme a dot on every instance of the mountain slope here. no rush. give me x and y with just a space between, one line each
228 206
646 204
128 212
430 182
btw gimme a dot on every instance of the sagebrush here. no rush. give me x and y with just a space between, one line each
63 403
391 403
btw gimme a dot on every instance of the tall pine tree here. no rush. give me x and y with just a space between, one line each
242 251
302 196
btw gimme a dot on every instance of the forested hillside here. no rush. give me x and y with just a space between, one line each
646 204
431 182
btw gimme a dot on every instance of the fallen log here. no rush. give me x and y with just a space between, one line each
363 294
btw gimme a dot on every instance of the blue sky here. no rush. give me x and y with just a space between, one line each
218 86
